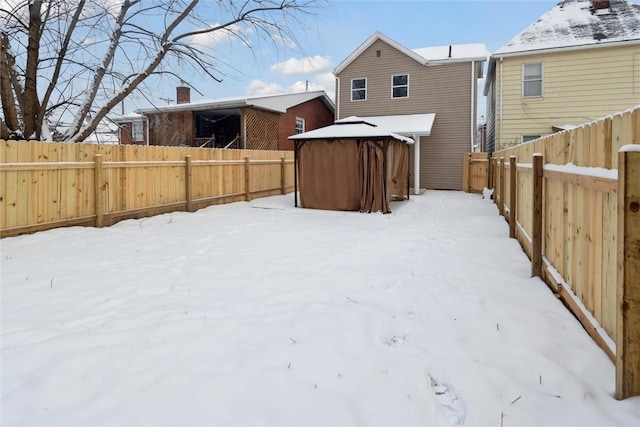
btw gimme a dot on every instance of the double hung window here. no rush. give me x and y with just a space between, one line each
359 89
400 86
531 80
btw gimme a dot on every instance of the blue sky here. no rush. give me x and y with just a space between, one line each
339 27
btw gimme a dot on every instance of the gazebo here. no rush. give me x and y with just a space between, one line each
353 165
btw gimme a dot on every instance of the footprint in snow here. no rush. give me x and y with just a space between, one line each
396 340
452 407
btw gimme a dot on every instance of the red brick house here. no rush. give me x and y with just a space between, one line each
259 122
132 129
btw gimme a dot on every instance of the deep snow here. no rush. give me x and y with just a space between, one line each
260 313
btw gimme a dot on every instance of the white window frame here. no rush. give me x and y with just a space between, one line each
525 80
137 130
399 86
300 121
358 89
528 138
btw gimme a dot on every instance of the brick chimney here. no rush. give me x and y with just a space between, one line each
183 95
600 4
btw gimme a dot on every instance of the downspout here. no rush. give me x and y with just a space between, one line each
473 89
337 95
416 164
500 130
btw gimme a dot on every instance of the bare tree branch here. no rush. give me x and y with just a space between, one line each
87 56
61 57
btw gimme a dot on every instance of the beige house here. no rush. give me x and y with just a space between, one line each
402 89
578 62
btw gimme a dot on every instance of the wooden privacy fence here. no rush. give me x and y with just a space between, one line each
47 185
572 199
475 172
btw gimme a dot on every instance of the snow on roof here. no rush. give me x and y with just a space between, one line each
469 52
573 23
120 118
355 129
564 127
283 102
278 103
464 52
403 124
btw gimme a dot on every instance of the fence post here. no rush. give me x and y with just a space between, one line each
513 174
628 286
466 172
247 181
283 177
536 234
187 183
501 205
489 171
496 177
98 190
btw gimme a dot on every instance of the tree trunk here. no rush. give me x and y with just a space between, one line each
31 104
11 122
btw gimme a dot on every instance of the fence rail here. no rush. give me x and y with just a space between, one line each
567 203
49 185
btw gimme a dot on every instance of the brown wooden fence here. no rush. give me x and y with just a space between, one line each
475 172
572 201
47 185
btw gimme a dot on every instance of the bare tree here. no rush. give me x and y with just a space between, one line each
87 56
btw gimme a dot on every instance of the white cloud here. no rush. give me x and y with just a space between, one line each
213 38
323 81
259 87
328 80
307 65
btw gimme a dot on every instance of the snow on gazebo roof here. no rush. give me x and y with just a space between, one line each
352 129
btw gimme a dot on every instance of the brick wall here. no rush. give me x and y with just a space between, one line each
315 114
125 133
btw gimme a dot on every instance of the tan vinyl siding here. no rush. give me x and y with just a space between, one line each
578 86
441 89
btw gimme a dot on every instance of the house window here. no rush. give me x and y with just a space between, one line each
532 79
400 86
359 89
136 131
299 125
527 138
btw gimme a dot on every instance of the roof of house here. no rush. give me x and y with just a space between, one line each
573 23
424 56
124 118
403 124
277 103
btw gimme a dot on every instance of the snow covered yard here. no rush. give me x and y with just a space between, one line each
260 313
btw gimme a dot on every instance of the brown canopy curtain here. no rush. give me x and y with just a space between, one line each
351 174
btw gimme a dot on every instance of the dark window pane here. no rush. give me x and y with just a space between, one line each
358 84
400 80
358 95
400 92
